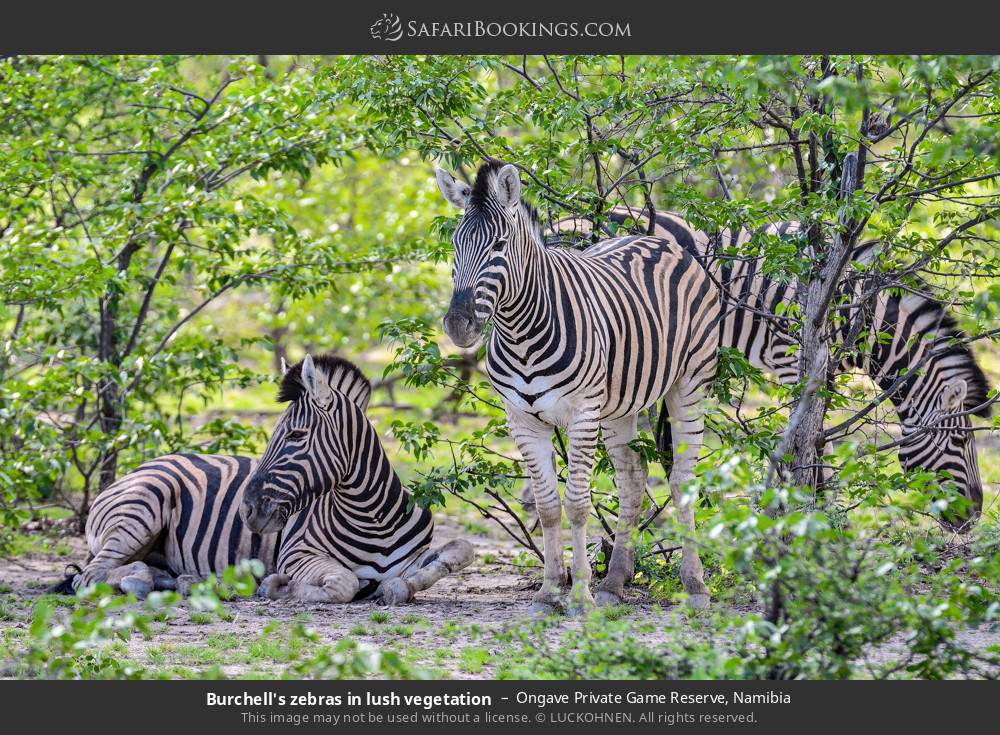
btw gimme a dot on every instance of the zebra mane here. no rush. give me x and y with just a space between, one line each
343 376
482 190
482 187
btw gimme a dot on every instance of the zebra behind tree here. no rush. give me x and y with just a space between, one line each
584 341
915 353
322 509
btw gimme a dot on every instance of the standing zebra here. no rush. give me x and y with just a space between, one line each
934 403
584 341
322 509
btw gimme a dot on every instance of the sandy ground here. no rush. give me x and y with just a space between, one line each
451 628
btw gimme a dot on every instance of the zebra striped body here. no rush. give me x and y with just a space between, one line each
583 341
322 509
599 330
184 511
901 331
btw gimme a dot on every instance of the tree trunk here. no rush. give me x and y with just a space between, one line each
109 401
803 441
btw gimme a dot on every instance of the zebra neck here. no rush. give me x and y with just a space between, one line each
525 312
372 495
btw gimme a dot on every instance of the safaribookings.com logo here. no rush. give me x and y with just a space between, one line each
390 28
387 28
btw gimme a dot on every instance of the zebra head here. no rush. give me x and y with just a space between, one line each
941 440
486 253
313 442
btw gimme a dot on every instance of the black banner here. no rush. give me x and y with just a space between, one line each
449 27
273 706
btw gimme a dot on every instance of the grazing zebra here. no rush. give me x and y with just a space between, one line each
584 341
322 509
948 388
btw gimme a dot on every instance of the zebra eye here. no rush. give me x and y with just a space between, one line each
297 434
498 245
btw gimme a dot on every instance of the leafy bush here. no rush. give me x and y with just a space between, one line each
837 596
615 649
347 659
78 644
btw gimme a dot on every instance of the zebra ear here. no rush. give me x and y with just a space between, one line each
284 367
508 186
953 395
454 191
315 382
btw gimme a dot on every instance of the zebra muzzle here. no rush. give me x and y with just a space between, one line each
262 516
461 323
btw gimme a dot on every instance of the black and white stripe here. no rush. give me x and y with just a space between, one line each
902 329
322 509
584 341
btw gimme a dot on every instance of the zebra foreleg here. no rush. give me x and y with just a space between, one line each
527 501
687 435
432 565
630 480
535 444
324 580
582 446
275 587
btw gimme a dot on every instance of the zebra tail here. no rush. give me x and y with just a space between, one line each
65 585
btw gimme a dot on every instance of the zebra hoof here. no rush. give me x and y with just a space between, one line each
607 598
581 601
698 602
340 587
541 610
580 608
163 580
274 587
395 592
136 585
184 584
457 554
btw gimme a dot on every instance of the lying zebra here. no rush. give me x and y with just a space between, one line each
322 509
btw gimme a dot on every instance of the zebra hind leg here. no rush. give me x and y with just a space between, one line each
119 563
630 480
135 578
435 564
687 434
